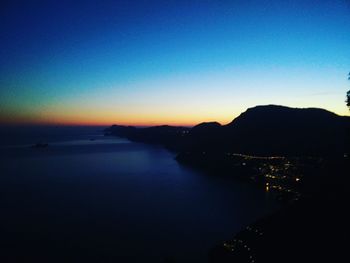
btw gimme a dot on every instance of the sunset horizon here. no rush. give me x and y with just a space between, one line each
156 63
105 121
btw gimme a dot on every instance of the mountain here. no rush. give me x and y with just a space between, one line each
261 130
272 129
203 136
205 127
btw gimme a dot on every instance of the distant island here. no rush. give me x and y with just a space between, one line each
299 155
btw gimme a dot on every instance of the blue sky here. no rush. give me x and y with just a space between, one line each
175 62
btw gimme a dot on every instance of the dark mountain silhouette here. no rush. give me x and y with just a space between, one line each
204 127
282 130
203 136
261 130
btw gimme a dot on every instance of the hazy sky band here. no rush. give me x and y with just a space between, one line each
175 62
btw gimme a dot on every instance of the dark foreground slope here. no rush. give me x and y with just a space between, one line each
313 229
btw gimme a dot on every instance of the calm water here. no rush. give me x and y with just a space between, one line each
111 200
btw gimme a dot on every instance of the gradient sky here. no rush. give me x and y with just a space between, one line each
169 62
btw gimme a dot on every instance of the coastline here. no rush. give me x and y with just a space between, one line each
300 183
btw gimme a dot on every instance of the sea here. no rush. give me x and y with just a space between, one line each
87 197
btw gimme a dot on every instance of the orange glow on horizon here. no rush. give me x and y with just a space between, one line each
107 121
74 116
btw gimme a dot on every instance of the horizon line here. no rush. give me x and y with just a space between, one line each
6 122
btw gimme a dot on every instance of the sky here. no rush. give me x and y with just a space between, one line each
169 62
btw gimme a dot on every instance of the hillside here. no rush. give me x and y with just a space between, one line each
261 130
